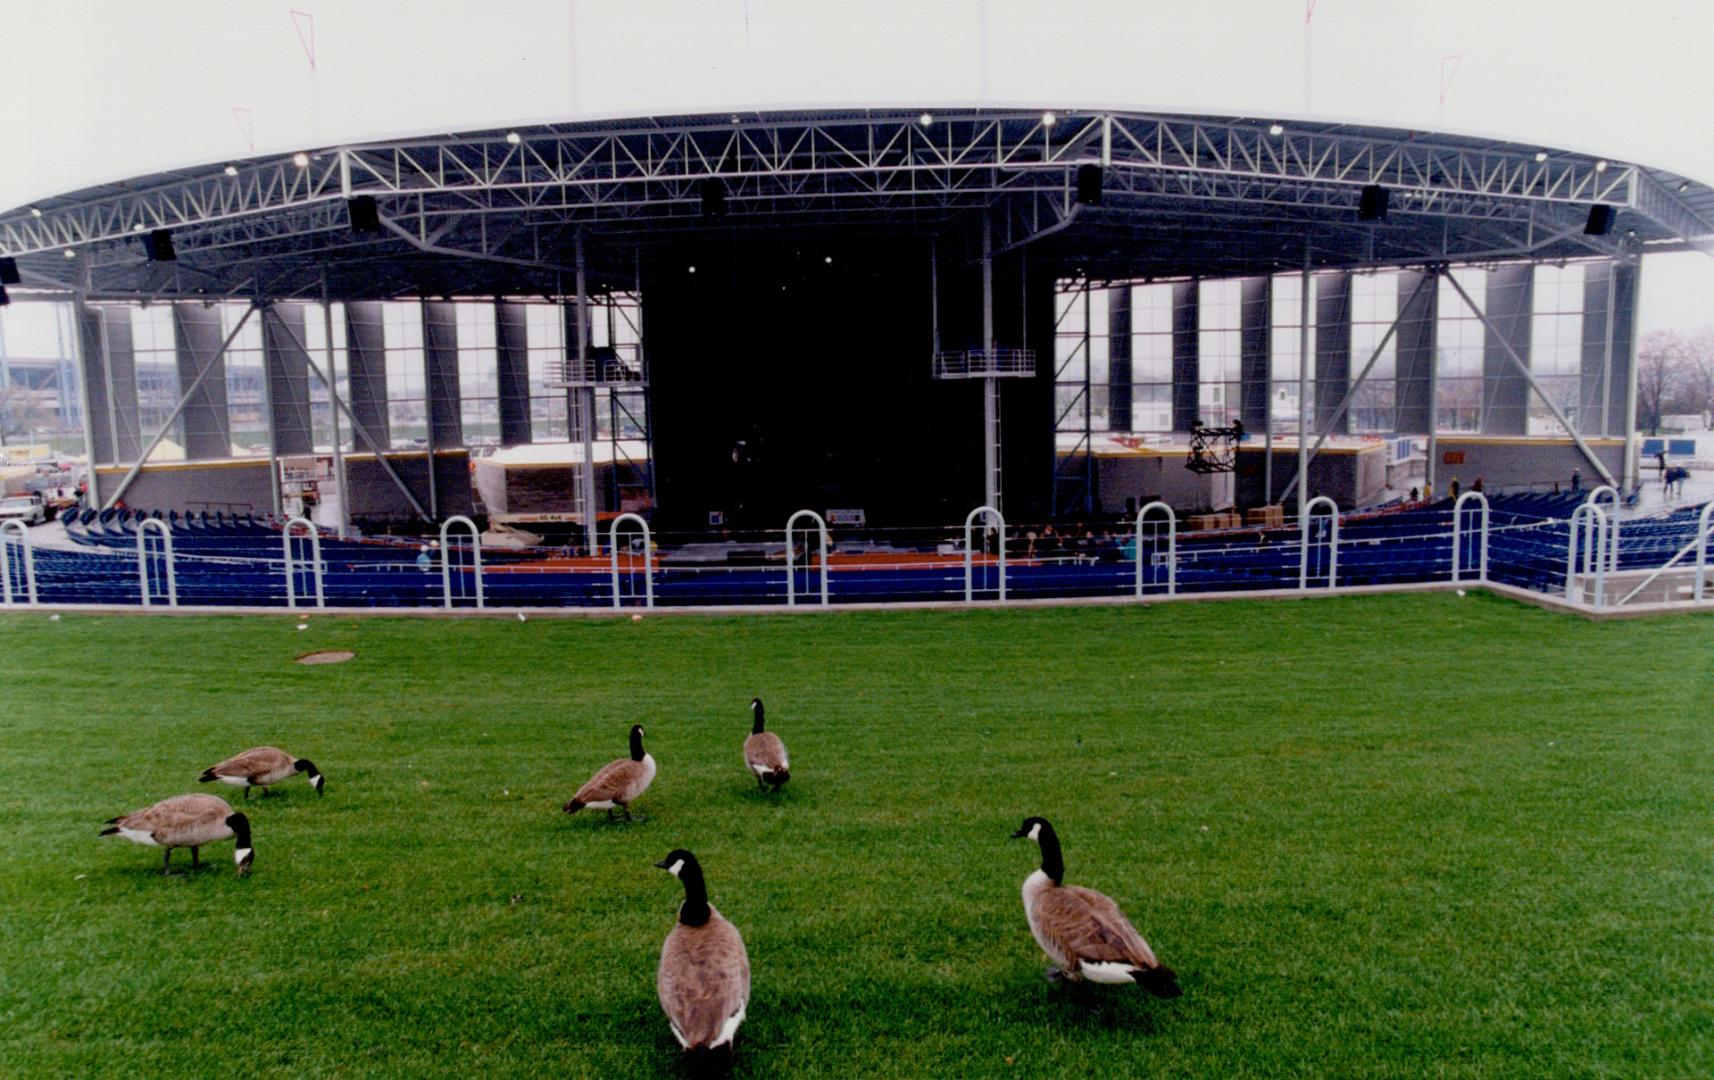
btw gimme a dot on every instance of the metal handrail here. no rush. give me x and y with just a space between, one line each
445 559
1333 540
648 552
1612 524
1698 544
1594 521
791 569
29 559
1457 538
1171 547
315 561
969 523
143 560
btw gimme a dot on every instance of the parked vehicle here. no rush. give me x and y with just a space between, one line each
26 508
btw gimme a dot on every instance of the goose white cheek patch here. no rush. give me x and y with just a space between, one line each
675 868
1035 833
242 854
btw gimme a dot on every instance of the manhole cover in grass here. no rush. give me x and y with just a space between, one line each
326 656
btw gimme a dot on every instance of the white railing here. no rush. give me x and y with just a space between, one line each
143 560
1171 546
446 559
27 560
1702 525
791 568
984 363
648 554
1612 523
314 559
1458 538
969 524
1333 542
1593 520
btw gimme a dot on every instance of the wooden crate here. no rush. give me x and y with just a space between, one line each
1265 516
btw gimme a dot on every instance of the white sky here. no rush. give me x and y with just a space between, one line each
99 91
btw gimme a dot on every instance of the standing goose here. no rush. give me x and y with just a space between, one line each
1083 932
704 977
765 754
619 783
262 767
186 821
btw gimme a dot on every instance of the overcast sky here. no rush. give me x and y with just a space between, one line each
99 91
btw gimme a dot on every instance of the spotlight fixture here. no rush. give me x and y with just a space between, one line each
71 253
693 269
712 194
514 138
9 272
231 170
35 211
1089 185
1048 119
736 119
1601 165
1684 185
364 214
1600 221
828 259
4 299
1276 129
926 119
1372 203
1540 156
158 245
301 160
139 227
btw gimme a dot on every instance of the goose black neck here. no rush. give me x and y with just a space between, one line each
636 745
305 765
756 728
694 911
240 826
1052 862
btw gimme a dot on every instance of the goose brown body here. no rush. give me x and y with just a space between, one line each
704 981
185 821
619 783
764 753
1083 931
260 766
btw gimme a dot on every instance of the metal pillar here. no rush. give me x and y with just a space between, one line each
1524 370
586 407
990 384
1629 468
274 479
79 315
1607 353
1433 387
1303 361
333 396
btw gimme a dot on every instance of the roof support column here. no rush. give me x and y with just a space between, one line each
196 328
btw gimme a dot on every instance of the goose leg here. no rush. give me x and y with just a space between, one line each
1054 975
195 858
246 792
633 817
763 784
166 862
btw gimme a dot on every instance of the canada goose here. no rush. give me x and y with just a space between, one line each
765 754
1083 932
262 767
704 977
186 821
619 783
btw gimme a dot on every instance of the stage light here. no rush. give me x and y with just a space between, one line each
364 214
1601 166
1540 156
1372 203
693 269
1276 129
71 253
158 245
301 160
1600 221
9 272
828 260
1089 185
926 119
35 211
231 170
736 119
139 227
1684 185
1048 119
514 138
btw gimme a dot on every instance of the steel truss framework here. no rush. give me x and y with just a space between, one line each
480 214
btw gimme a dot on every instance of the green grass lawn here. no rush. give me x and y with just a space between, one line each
1377 836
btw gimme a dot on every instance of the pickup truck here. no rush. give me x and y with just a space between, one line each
26 508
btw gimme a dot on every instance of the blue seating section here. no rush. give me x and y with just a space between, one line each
223 560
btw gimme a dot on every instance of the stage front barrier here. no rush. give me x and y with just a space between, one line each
314 538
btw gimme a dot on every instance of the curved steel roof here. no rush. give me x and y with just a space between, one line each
498 211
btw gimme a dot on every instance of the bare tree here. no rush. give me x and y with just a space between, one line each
1661 363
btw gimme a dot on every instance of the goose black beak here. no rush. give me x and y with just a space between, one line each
664 864
1020 835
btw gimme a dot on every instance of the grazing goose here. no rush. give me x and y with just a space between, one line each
765 754
704 977
186 821
262 767
619 783
1083 932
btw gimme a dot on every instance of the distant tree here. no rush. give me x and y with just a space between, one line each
1696 387
1662 360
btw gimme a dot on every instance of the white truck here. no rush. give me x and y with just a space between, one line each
30 509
